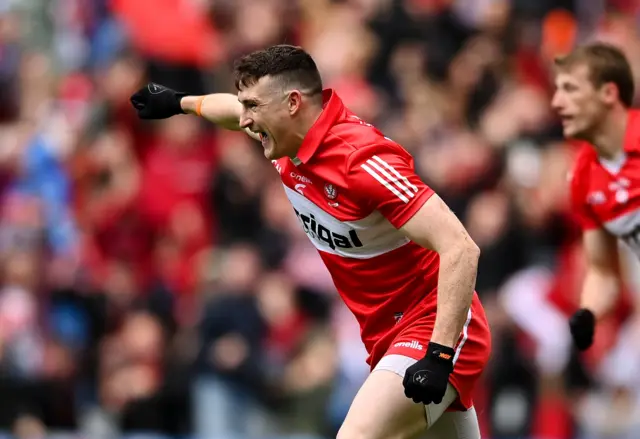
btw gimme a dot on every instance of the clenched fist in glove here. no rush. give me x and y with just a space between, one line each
155 101
426 380
583 327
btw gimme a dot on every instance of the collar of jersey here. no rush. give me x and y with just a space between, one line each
632 134
332 108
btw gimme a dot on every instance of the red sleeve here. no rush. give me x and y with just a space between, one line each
579 208
383 177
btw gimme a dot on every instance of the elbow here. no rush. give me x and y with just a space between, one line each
466 250
463 249
470 248
473 249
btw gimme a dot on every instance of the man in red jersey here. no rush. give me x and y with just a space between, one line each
394 249
593 97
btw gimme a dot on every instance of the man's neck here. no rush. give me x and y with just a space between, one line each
306 121
608 141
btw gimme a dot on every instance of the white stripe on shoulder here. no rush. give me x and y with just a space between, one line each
384 182
397 174
390 178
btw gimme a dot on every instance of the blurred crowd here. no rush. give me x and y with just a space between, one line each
154 277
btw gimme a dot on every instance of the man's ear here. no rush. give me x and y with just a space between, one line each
294 102
609 92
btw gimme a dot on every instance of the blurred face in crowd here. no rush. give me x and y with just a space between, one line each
581 105
270 110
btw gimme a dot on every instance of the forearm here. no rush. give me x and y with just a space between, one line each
456 284
599 292
222 109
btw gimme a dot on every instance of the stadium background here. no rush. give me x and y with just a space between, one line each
154 278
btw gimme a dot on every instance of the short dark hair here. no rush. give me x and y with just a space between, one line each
290 64
606 63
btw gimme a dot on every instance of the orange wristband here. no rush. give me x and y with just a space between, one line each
199 106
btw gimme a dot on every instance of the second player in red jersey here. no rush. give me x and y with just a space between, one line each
594 93
400 259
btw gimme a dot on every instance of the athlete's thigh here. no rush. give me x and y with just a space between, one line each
380 410
455 425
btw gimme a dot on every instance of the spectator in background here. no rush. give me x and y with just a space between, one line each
177 40
232 384
41 176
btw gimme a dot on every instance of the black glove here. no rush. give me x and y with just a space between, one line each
583 327
426 381
155 101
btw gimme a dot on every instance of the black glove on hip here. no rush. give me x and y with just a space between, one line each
583 327
426 381
155 101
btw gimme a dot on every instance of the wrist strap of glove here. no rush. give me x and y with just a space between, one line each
441 353
585 315
178 108
588 312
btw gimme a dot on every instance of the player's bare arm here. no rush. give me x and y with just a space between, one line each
436 227
383 176
602 281
222 109
601 285
155 101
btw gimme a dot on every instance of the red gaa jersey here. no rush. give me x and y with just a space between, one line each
606 193
352 189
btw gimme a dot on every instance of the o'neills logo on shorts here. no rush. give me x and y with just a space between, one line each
409 344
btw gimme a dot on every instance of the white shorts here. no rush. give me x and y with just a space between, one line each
398 364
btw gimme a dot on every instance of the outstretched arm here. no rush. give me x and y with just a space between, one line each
155 101
223 109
